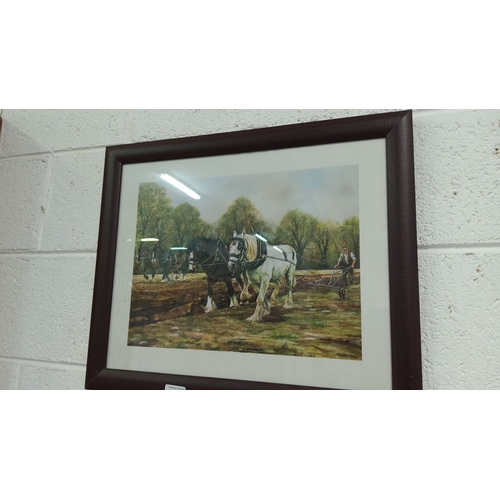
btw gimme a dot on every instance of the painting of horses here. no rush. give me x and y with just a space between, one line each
265 262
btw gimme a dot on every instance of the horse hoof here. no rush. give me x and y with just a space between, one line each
254 320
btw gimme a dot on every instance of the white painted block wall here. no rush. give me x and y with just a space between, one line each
51 165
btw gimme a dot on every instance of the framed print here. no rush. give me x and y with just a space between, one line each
277 258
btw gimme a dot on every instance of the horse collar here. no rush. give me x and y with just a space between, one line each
261 255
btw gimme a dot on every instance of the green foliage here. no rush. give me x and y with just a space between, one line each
349 235
186 224
318 242
268 230
297 228
284 335
241 214
326 235
312 259
153 213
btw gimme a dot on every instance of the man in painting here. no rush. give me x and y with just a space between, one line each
347 260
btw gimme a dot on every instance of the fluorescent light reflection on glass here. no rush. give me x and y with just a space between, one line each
150 239
180 186
260 237
178 248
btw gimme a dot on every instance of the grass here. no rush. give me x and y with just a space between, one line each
321 325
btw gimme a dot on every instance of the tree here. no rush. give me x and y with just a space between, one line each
324 238
153 213
297 229
241 214
267 229
349 235
186 224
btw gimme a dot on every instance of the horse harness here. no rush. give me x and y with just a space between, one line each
241 259
217 260
151 257
167 257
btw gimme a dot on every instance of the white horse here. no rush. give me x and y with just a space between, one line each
262 268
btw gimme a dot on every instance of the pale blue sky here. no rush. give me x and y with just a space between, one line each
326 193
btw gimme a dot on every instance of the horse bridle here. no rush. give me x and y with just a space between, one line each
214 254
239 259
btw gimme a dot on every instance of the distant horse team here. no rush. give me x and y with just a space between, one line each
247 259
160 259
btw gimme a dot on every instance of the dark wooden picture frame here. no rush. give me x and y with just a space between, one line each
397 130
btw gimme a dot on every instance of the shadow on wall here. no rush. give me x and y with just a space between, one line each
24 144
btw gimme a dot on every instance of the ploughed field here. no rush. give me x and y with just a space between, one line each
322 325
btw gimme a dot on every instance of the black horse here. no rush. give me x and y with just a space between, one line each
179 264
166 260
154 259
146 259
211 256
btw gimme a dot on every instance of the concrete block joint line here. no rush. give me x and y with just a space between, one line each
51 166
